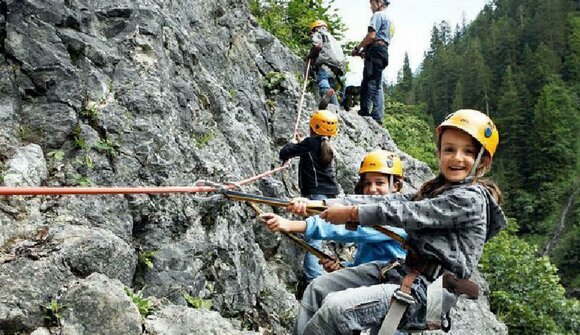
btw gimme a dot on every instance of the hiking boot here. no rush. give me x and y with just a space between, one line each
325 100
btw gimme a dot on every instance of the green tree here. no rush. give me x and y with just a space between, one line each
526 293
412 130
289 20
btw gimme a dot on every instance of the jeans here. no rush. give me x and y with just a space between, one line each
312 269
376 61
345 300
325 80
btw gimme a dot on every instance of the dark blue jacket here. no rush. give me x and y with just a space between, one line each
313 177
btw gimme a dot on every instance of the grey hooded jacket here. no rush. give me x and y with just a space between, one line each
451 227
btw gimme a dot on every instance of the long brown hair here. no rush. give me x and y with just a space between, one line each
326 152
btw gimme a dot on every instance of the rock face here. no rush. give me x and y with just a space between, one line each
154 93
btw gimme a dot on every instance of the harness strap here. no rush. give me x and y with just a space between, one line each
460 286
399 303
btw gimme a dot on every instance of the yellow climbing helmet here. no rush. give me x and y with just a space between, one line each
383 162
317 23
476 124
324 123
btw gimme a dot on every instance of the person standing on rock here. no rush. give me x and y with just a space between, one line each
315 171
448 222
327 60
375 48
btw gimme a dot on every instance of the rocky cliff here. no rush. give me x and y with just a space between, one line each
154 93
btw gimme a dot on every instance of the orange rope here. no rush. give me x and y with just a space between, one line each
5 190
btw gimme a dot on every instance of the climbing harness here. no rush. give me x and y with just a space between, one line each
402 297
300 242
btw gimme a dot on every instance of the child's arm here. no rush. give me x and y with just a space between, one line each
319 229
295 149
277 223
456 207
365 199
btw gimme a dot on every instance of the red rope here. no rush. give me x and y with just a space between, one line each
5 190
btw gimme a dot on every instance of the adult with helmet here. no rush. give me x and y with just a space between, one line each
375 47
315 171
327 61
380 173
447 221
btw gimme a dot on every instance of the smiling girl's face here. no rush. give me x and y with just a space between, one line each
457 152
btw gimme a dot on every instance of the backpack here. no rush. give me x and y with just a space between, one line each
331 53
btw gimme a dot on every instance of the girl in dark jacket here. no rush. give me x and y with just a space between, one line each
315 172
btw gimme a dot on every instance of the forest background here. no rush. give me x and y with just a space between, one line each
519 60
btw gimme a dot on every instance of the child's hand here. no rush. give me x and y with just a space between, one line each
298 206
339 214
299 137
330 265
275 223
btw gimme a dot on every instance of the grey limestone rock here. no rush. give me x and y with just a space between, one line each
156 93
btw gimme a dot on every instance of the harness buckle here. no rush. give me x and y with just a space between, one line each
403 297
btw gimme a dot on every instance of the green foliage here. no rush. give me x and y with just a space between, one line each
91 113
54 311
26 134
271 104
83 181
80 143
526 293
273 82
57 155
146 257
108 147
289 20
85 160
413 131
143 304
567 252
202 140
197 302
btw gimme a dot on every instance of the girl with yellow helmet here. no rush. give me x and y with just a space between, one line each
447 221
315 171
381 172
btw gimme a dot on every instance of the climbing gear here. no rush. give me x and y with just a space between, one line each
317 23
324 123
240 196
313 210
7 190
476 124
385 162
401 299
302 99
330 52
432 271
300 242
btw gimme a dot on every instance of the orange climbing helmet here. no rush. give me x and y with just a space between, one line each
383 162
317 23
324 123
476 124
